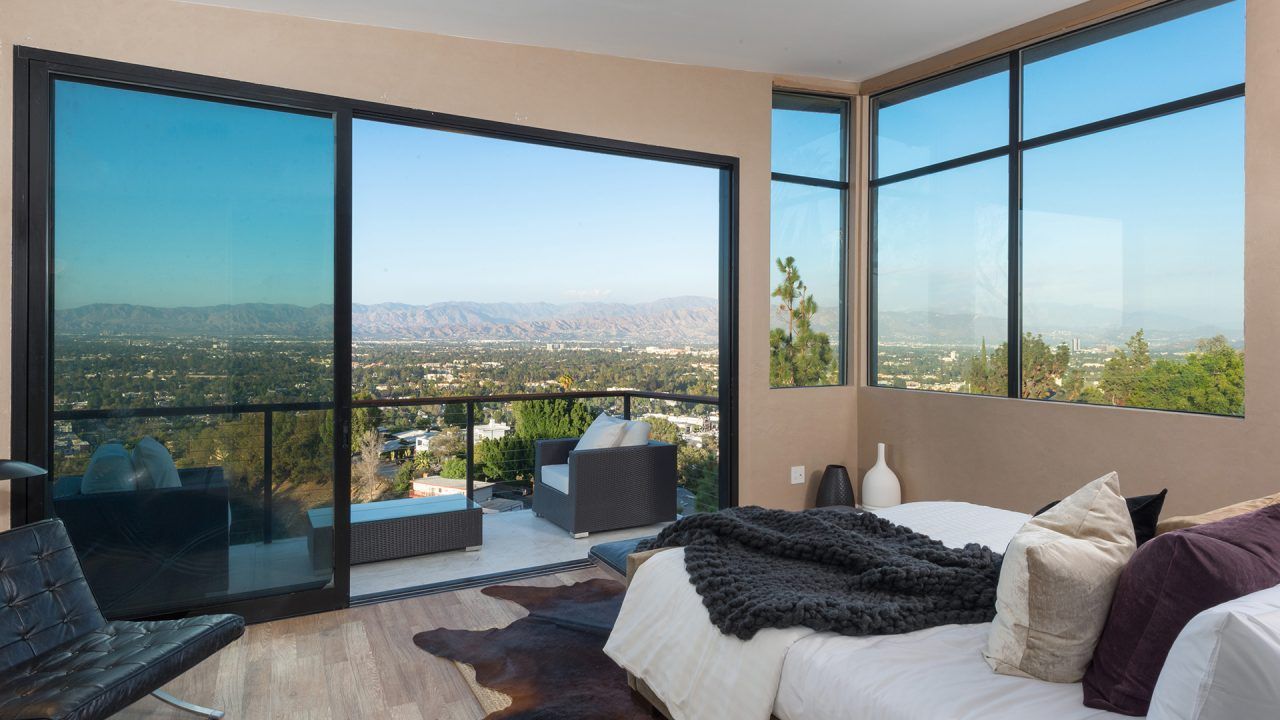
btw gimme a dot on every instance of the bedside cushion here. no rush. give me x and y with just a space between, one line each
556 476
1171 580
1183 522
1144 511
604 432
1225 664
1056 583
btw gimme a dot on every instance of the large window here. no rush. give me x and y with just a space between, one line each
192 383
243 315
807 240
1082 198
485 266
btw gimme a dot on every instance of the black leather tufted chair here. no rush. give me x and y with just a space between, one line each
59 659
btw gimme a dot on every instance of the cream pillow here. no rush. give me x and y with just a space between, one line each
110 470
153 465
635 434
1059 574
604 432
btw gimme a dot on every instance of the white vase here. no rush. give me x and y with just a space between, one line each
880 486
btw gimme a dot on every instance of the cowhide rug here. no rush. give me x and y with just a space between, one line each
551 663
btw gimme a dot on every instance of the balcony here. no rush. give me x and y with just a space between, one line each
250 512
498 474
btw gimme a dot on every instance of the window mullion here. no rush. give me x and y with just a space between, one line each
1015 227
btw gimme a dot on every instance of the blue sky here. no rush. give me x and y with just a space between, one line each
1132 226
448 216
168 201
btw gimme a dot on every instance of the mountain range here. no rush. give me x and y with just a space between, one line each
683 320
1092 326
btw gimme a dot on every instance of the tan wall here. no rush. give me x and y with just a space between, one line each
716 111
1021 454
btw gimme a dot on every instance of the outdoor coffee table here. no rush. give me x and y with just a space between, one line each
391 529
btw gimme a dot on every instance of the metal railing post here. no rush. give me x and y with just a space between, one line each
626 405
471 446
267 483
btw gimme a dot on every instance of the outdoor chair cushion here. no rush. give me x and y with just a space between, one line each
636 433
604 432
110 470
556 476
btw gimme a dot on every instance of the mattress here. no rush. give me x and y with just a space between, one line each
934 674
665 636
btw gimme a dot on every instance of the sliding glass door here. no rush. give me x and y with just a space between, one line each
192 390
183 316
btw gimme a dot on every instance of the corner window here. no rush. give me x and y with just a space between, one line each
809 202
1092 250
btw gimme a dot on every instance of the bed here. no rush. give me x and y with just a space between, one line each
665 638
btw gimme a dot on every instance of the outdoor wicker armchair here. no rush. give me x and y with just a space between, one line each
606 489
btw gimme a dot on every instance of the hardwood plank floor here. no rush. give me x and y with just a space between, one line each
351 664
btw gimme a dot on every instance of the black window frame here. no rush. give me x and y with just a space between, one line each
35 71
1013 150
843 185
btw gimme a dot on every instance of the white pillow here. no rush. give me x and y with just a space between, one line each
605 432
635 434
1056 582
1225 664
110 470
153 465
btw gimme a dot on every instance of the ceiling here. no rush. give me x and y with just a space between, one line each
838 39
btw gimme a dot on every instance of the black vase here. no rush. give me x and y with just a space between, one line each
836 488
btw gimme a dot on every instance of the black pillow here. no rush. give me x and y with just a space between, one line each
1144 511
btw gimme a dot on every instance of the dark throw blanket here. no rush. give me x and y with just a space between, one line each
851 573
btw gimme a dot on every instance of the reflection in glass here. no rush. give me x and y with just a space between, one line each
941 281
193 257
1133 265
941 119
1166 54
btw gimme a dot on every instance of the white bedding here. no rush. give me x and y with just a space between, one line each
934 674
665 636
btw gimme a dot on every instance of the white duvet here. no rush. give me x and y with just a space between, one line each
665 636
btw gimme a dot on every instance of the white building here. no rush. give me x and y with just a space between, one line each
435 485
492 430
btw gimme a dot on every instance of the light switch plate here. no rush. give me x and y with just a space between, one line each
797 474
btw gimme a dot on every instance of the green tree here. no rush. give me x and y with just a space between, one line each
987 372
454 468
1211 380
455 415
1046 372
1043 367
1122 372
506 459
447 443
363 419
798 355
663 430
555 418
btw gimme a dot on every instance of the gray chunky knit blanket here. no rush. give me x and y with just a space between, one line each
851 573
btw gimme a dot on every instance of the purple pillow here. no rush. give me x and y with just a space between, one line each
1168 582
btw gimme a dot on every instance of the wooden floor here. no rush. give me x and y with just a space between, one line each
350 664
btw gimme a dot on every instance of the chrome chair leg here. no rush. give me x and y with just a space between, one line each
192 708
